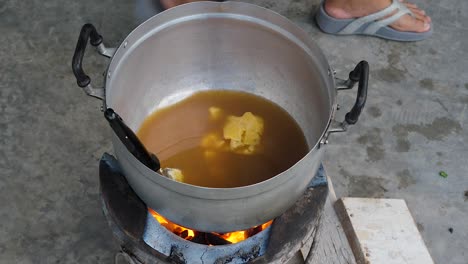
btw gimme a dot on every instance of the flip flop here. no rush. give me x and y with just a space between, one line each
372 25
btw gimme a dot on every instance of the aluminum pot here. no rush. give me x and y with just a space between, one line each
233 46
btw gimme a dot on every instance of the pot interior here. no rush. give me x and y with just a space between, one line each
203 46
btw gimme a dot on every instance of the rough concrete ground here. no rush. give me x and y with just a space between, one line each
52 135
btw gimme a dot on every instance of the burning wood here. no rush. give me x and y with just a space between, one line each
212 239
216 240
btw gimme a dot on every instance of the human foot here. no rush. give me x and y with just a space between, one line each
347 9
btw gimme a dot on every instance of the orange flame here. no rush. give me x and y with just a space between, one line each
174 228
188 234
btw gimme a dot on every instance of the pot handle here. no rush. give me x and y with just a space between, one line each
88 33
360 75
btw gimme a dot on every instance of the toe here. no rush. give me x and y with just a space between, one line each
411 24
420 14
420 17
410 5
416 10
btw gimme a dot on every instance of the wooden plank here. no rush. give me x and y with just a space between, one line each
382 231
296 226
329 245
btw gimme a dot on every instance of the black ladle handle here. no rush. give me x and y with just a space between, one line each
131 141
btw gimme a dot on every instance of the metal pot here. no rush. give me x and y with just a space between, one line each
230 45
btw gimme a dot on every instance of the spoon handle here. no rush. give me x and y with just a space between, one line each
131 141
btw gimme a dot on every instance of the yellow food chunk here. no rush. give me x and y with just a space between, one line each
212 141
175 174
244 132
215 113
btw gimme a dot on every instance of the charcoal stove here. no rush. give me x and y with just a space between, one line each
144 240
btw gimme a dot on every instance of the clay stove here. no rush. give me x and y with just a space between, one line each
143 239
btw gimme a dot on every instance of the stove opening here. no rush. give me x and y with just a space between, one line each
212 239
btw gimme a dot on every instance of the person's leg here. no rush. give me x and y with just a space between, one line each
344 9
145 9
171 3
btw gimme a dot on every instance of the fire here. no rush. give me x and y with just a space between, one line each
192 235
238 236
174 228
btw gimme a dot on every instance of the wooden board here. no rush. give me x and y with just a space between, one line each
382 231
330 245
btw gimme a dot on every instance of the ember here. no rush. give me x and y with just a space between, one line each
213 239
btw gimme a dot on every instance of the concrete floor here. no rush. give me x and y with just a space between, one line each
52 135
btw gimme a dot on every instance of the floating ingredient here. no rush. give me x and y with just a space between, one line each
244 132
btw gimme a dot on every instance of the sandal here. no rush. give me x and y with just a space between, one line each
372 25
